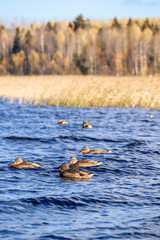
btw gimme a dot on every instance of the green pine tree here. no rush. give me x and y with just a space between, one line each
116 24
28 38
17 41
79 22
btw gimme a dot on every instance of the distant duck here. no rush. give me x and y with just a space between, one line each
87 124
83 163
86 150
61 121
74 173
18 163
152 116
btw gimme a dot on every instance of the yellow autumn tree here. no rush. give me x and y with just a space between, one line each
34 60
60 38
4 41
58 58
18 61
156 52
66 65
117 63
135 36
52 67
3 66
144 48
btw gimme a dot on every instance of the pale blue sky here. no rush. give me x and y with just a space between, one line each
48 10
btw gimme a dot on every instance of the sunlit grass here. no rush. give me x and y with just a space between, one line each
83 90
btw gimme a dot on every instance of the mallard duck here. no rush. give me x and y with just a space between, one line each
86 150
61 121
87 124
73 173
18 163
82 163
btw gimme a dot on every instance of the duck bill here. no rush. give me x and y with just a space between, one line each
81 151
58 169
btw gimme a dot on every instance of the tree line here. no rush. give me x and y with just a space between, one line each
116 47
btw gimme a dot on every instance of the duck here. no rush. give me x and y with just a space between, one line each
19 163
86 150
73 173
61 121
152 116
83 163
87 124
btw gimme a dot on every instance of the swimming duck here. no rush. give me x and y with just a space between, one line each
61 121
74 173
18 163
152 116
82 163
86 150
87 124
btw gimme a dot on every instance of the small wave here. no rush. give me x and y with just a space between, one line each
84 202
133 143
16 138
56 139
53 236
50 201
89 139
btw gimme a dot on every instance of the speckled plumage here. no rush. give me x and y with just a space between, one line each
74 173
86 150
18 163
83 163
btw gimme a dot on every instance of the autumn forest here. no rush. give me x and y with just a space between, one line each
117 47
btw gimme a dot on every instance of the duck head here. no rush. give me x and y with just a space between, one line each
73 161
17 161
63 166
84 149
60 121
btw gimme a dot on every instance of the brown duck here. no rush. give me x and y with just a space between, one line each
61 121
83 163
86 150
74 173
18 163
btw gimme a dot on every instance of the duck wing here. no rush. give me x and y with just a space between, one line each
87 163
76 173
28 164
98 150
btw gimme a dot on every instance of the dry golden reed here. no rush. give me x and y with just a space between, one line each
83 90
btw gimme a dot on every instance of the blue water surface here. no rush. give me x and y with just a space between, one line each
122 201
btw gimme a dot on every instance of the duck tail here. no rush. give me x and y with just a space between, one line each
91 175
99 163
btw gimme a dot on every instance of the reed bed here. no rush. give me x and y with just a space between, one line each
83 90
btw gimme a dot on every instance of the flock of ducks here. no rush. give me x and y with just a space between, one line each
86 124
65 171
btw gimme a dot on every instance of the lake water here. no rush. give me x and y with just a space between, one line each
122 201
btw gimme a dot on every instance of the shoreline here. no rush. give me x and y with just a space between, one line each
83 91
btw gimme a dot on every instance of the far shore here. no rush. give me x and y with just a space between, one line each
83 91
